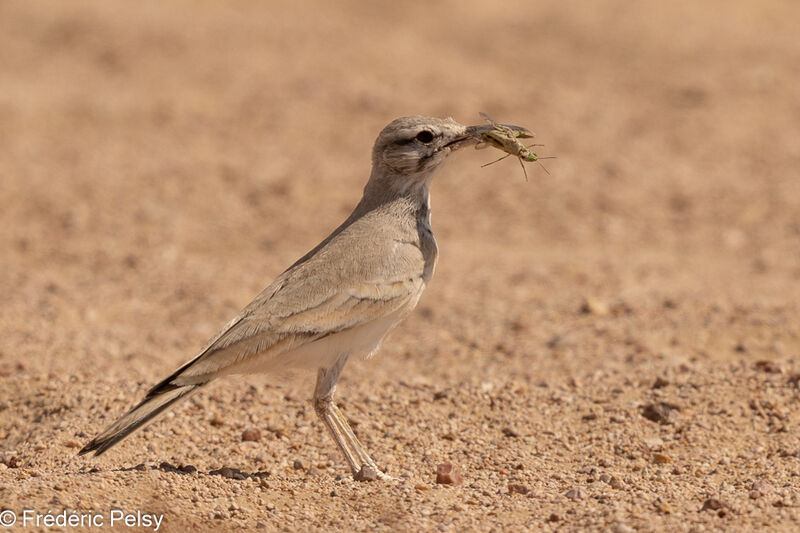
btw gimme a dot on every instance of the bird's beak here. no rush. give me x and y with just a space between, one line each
475 134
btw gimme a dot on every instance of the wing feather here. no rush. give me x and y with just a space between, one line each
292 312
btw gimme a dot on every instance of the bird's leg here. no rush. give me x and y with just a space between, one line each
369 470
361 464
324 407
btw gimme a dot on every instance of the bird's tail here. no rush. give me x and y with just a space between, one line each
159 399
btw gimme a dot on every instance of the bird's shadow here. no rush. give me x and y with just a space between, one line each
226 472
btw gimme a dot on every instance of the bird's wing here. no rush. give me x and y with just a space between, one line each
302 305
328 293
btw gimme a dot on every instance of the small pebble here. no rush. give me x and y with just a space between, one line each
769 367
653 443
664 508
660 412
517 488
593 306
367 473
447 474
278 432
713 504
762 486
659 383
251 435
575 494
760 489
616 483
229 473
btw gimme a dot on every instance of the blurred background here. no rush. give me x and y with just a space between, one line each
162 162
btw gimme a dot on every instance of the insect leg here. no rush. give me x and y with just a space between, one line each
523 168
495 161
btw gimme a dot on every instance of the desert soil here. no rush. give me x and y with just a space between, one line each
611 347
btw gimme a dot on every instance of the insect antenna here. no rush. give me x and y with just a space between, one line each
541 165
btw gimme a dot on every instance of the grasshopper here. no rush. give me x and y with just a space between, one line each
507 140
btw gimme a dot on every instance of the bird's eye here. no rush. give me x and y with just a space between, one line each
425 136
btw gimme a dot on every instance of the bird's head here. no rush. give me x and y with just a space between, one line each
414 147
409 150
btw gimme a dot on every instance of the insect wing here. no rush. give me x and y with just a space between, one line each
485 117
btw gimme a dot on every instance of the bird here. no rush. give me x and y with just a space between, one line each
340 299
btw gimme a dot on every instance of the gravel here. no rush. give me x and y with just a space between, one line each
632 318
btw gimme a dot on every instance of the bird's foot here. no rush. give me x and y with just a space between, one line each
370 473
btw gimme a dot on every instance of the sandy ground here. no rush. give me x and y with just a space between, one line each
612 347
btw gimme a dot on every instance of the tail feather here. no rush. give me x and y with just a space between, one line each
160 398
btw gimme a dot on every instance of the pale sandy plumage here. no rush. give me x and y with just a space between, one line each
341 298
